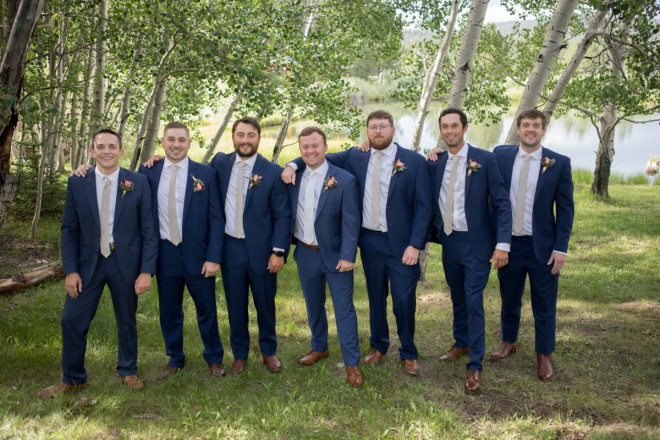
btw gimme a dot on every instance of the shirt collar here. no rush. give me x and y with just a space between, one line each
183 165
248 163
461 153
389 152
322 170
113 177
535 155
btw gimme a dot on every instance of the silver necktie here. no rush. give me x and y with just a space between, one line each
105 218
308 220
175 235
240 201
520 199
375 191
449 203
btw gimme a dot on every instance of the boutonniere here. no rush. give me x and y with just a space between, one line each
127 186
546 163
397 166
255 179
198 185
472 166
329 183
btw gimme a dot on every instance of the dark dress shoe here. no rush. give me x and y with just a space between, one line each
132 382
544 366
217 370
167 373
454 354
503 351
273 364
410 367
59 389
238 366
373 357
473 381
354 376
313 357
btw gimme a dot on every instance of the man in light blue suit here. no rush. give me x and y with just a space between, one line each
108 237
396 212
257 235
539 184
325 228
466 181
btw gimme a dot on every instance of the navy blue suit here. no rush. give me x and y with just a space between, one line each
337 227
134 252
408 216
267 223
202 236
552 221
466 255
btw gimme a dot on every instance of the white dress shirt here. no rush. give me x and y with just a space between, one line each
386 168
182 177
230 201
532 179
321 172
113 196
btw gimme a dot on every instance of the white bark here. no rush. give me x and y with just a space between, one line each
99 81
149 145
221 129
128 92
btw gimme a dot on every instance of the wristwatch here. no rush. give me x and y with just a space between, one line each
278 253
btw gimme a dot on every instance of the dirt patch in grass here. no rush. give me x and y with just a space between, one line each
642 307
21 254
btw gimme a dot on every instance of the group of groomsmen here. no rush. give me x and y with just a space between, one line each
184 222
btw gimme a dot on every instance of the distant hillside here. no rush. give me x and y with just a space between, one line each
412 36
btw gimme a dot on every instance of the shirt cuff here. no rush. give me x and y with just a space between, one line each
293 165
275 249
506 247
559 252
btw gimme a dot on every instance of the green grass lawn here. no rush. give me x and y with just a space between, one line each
607 359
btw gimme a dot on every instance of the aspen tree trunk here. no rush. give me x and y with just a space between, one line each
284 128
225 121
99 81
128 93
83 133
149 145
59 98
74 118
49 138
40 190
553 43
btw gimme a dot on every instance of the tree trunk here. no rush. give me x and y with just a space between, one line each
432 77
128 93
19 28
225 121
59 97
149 145
99 81
40 188
83 133
74 119
284 128
33 278
553 43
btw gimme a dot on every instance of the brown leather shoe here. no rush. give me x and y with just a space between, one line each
503 351
473 381
313 357
454 354
410 367
238 366
544 366
273 364
167 373
59 389
217 370
132 382
373 357
354 376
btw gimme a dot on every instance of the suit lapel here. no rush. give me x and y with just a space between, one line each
91 195
541 179
507 170
157 171
295 192
362 175
468 178
119 204
323 197
192 169
256 169
395 178
225 176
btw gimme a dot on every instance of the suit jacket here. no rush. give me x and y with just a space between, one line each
135 239
266 213
203 227
484 190
554 194
337 220
409 207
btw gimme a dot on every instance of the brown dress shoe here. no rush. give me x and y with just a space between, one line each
132 382
58 389
373 357
313 357
354 376
454 354
167 373
410 367
544 366
503 351
217 370
473 381
273 364
238 366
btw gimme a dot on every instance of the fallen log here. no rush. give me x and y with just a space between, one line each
36 277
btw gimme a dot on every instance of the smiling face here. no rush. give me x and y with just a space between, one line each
530 132
246 140
106 152
452 131
176 143
380 133
312 150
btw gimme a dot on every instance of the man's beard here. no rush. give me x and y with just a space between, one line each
381 144
253 150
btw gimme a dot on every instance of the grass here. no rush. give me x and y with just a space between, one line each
607 363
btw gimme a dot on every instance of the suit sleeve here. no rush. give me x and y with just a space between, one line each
216 221
350 221
500 202
339 159
565 209
281 209
148 231
422 208
70 232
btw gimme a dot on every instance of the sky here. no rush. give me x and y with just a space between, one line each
497 14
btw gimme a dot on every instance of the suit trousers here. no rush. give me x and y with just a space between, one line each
543 288
467 277
237 278
314 274
171 278
78 314
380 265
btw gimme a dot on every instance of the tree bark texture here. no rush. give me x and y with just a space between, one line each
225 121
99 81
149 144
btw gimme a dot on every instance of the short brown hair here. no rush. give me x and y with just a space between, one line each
311 130
457 111
106 131
532 113
175 125
380 114
247 120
